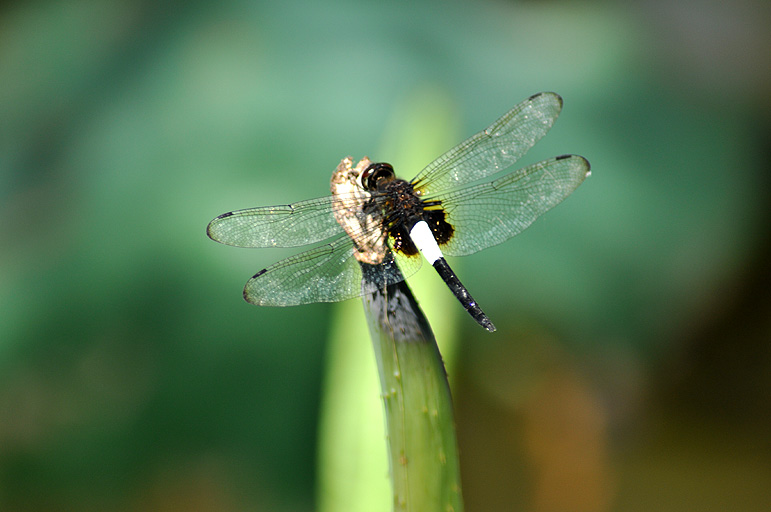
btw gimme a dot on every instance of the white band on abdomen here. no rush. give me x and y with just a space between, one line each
424 239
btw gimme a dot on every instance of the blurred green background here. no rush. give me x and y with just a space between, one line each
632 366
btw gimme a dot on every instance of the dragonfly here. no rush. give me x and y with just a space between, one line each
461 203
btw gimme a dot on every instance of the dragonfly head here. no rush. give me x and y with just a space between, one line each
375 176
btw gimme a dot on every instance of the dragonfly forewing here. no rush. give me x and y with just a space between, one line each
493 149
291 225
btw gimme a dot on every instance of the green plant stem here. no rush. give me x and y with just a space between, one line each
422 444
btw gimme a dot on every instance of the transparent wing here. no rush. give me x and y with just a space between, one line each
328 273
291 225
490 213
494 149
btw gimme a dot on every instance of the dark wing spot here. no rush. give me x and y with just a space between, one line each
441 229
563 157
209 227
534 96
258 274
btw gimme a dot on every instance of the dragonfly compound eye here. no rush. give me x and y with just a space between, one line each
375 175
